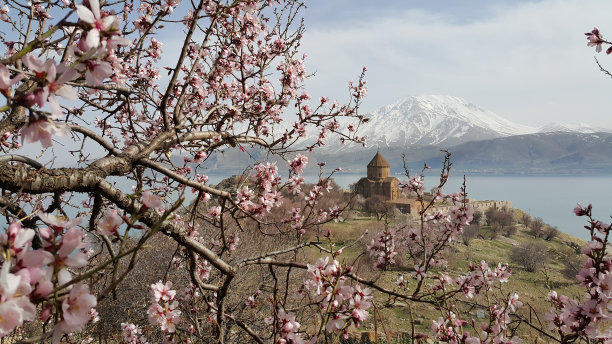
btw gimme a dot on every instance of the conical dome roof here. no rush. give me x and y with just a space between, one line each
378 161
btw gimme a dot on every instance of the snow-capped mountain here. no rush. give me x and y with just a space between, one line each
437 120
479 140
570 128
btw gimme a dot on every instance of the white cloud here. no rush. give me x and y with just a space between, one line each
528 62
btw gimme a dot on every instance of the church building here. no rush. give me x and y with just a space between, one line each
379 181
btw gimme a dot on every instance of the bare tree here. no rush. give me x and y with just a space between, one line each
376 206
531 256
499 219
550 232
470 232
478 216
536 227
526 219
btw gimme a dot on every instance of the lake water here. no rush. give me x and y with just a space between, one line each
551 197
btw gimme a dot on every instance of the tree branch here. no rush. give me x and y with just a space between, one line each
20 158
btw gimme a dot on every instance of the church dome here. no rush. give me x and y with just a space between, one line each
378 161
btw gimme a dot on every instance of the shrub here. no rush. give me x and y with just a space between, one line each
550 233
470 232
531 256
536 226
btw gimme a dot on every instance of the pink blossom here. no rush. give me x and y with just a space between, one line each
502 272
99 23
170 319
56 85
200 156
250 301
73 239
77 306
40 12
132 334
472 340
288 321
514 303
48 71
360 305
599 331
582 211
12 316
205 197
383 248
97 71
233 241
595 39
109 223
5 80
162 292
244 198
295 184
168 5
602 227
214 211
204 270
336 323
143 23
336 214
400 281
40 70
42 130
15 308
16 237
419 272
76 309
4 10
288 327
150 200
333 268
70 251
166 314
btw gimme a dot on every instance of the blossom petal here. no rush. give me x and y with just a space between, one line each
37 258
33 62
68 93
50 69
95 8
85 14
93 38
68 74
77 260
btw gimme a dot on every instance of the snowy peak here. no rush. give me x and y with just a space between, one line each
450 107
570 128
436 119
444 121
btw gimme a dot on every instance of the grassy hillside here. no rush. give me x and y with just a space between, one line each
532 287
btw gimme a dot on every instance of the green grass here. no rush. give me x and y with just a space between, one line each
531 286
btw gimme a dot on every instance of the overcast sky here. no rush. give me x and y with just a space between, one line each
527 61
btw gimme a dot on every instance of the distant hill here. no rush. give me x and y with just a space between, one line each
560 152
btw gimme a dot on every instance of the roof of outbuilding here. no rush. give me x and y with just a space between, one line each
378 161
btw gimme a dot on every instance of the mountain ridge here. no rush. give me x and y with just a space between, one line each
446 121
